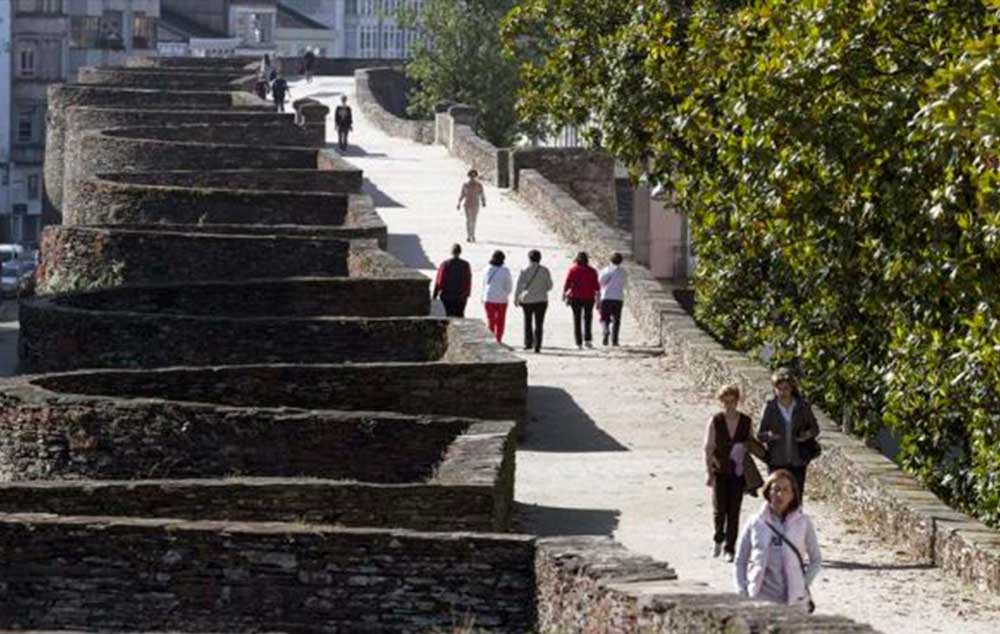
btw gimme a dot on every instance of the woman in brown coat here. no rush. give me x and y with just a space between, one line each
729 466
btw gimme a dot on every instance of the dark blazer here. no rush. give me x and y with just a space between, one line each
804 426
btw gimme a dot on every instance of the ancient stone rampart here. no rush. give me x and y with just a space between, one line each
239 375
381 94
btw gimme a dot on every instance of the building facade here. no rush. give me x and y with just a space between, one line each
50 40
362 29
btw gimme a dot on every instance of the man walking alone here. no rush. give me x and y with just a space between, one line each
343 120
454 283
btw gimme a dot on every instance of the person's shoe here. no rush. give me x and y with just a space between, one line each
717 550
579 346
614 343
604 340
527 347
589 344
729 557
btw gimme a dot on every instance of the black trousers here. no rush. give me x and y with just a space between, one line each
798 472
454 307
534 321
611 318
583 319
727 498
342 137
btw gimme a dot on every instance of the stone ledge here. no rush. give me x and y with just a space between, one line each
858 479
374 88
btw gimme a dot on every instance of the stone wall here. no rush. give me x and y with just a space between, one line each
455 129
167 79
262 577
868 487
591 584
588 176
381 94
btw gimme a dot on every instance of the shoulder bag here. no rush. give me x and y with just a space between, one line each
527 287
798 555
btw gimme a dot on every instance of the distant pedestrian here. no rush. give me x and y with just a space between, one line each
581 290
496 293
279 90
612 279
472 197
532 294
308 64
453 283
729 467
343 120
775 546
263 83
788 429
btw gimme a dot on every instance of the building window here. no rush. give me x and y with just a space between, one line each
112 27
84 31
39 6
33 187
26 125
351 7
26 59
143 32
254 27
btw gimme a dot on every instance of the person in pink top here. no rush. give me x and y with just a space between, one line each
581 291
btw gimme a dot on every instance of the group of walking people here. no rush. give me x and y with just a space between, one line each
583 289
271 82
777 555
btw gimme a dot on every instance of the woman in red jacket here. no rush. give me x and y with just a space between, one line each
581 291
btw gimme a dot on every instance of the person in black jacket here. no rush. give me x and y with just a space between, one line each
787 428
454 283
343 120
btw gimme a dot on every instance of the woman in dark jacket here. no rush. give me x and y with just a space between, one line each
581 291
788 429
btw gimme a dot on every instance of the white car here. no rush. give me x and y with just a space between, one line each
17 277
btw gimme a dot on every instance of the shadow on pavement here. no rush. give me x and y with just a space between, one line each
620 352
556 423
354 150
856 565
535 519
379 197
410 250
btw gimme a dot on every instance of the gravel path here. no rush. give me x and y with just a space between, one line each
613 441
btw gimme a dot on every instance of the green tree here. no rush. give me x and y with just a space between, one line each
838 163
461 59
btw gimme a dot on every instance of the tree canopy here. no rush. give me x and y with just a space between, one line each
838 163
460 59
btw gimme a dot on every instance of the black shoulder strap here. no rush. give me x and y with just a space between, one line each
795 550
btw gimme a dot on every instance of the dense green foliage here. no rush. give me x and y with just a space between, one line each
838 161
461 59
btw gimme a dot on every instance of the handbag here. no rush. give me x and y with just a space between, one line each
810 449
798 555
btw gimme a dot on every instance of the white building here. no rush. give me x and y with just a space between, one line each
362 29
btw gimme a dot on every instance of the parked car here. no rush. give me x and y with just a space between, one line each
17 277
9 252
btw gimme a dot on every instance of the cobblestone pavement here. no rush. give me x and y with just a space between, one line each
613 441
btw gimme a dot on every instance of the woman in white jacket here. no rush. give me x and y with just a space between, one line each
778 555
496 293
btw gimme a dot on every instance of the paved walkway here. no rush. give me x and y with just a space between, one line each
613 441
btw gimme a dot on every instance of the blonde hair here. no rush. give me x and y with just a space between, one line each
730 389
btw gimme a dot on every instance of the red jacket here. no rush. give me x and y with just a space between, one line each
581 283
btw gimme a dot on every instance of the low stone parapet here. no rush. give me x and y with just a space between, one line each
381 95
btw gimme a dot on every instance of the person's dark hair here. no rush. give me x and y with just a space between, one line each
535 255
456 249
582 258
616 258
473 173
498 258
785 474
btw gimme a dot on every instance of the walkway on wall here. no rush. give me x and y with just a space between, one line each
613 442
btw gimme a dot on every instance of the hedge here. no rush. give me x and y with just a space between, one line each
838 162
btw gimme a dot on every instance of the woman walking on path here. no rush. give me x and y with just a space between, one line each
581 290
612 279
788 429
472 197
453 283
775 545
729 468
532 295
496 291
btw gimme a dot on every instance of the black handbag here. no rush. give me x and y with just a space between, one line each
810 449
